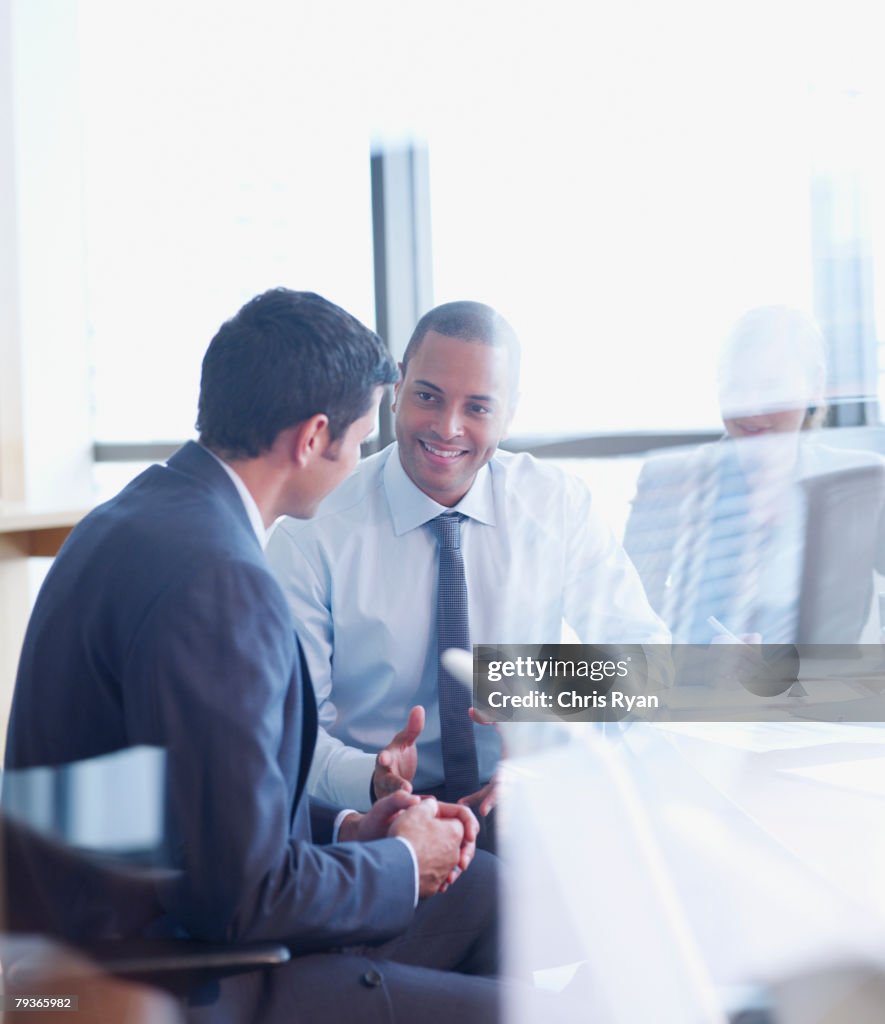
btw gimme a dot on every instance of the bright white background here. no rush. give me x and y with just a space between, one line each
621 180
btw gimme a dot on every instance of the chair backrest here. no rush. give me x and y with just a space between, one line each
82 846
84 860
110 804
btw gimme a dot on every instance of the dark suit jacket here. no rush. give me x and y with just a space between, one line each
159 623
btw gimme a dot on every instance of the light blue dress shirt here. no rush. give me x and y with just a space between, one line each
361 580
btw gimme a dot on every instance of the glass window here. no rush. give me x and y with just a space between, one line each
221 158
627 181
622 182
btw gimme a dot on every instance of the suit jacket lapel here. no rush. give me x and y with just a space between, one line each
309 724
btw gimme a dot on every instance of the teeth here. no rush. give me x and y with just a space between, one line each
438 451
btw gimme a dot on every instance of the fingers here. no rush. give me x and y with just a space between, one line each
470 826
387 778
395 765
445 822
385 781
393 803
465 856
438 841
479 718
376 823
455 836
484 800
463 814
489 794
479 799
387 784
453 877
428 806
414 726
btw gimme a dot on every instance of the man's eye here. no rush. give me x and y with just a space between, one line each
424 396
480 410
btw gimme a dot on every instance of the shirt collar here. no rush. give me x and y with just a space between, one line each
248 501
410 507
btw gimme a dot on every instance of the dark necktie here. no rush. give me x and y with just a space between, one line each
452 630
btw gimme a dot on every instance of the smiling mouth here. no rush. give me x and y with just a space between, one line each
752 426
448 454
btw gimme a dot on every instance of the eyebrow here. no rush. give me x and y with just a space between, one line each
439 391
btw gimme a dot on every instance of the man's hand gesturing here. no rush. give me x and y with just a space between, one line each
395 765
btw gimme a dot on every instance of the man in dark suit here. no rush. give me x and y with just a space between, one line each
159 623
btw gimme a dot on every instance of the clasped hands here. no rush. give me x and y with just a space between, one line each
443 835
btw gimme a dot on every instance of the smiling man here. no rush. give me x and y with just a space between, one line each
442 541
452 408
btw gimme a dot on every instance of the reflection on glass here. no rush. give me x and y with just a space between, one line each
772 530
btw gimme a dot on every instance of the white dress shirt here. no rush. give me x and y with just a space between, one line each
361 579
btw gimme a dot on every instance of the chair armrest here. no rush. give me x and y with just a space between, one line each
175 965
132 957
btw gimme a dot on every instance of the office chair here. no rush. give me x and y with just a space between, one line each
82 858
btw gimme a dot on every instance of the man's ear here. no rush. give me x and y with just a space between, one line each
307 440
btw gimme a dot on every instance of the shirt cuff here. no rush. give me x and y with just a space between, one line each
339 821
414 857
343 779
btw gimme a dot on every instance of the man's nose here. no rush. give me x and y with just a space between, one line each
449 424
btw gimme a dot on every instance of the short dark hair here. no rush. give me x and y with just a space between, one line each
285 357
469 321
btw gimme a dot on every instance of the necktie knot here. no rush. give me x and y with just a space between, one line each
447 530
